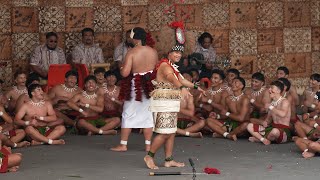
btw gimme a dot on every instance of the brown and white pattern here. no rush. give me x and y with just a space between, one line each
316 39
79 3
270 14
24 44
24 19
21 64
134 16
297 40
107 42
315 13
243 42
296 14
5 19
133 2
216 15
28 3
6 72
268 63
51 18
72 39
107 19
270 40
220 41
191 15
5 46
299 64
78 18
315 62
243 15
159 15
245 64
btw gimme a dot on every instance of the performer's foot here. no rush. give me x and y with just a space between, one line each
173 164
253 139
196 135
23 144
307 154
149 162
119 148
232 137
58 142
294 138
35 143
13 169
110 132
216 135
266 141
89 133
148 146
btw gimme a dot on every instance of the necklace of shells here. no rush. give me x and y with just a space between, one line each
257 93
69 90
38 104
212 92
18 91
277 102
236 98
107 90
86 95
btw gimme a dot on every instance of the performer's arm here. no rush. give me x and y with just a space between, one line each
189 110
242 113
72 103
99 106
51 115
20 114
5 116
127 65
283 110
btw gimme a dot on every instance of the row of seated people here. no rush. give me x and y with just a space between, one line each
227 109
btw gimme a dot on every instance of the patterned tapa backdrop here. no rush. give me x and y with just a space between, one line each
257 35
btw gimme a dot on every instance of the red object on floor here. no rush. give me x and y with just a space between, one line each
57 72
210 170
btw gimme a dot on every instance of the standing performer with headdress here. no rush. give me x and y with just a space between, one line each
137 69
170 87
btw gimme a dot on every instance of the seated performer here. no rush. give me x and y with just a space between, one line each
309 94
99 74
39 119
61 94
112 104
188 124
231 75
308 147
20 88
46 54
8 162
275 127
232 121
258 95
89 104
283 72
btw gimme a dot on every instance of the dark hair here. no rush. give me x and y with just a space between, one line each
87 30
110 73
315 76
1 81
234 71
203 36
284 69
32 77
49 34
32 87
219 72
72 73
140 34
258 76
18 72
90 77
278 84
285 82
194 69
318 95
99 70
243 82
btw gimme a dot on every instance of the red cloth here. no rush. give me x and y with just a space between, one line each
5 160
12 133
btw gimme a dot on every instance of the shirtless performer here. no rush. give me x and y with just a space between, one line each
170 86
137 69
20 88
275 127
258 95
232 121
231 75
39 119
8 162
99 74
89 104
61 94
188 124
283 72
112 104
309 94
308 147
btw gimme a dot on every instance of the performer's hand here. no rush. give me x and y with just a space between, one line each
213 115
265 124
223 111
305 116
202 91
33 122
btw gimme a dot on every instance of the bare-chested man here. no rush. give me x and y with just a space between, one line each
233 120
283 72
112 104
231 75
258 95
137 68
99 74
62 93
39 119
308 96
89 104
278 118
188 124
308 147
20 88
